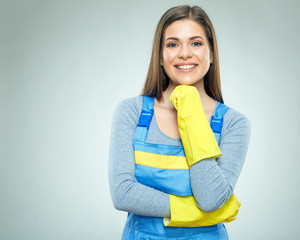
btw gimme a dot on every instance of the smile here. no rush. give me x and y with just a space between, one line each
186 66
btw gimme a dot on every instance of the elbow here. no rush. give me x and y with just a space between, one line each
118 201
118 205
208 206
213 203
120 196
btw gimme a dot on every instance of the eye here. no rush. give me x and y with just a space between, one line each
172 45
196 44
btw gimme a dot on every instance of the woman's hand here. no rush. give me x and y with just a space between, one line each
198 139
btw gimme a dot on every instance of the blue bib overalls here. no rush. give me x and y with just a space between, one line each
160 166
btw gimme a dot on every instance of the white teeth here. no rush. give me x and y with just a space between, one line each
186 66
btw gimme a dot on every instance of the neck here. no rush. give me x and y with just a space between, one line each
207 102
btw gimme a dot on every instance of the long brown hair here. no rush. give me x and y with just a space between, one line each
157 81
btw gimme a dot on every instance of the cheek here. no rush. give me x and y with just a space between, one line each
165 58
207 58
168 56
203 55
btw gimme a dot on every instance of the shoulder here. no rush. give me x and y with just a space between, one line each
235 121
132 103
128 109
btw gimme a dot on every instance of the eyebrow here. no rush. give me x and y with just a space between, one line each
177 39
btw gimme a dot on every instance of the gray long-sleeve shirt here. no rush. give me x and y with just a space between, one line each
212 181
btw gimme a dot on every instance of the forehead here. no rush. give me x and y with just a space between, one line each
184 29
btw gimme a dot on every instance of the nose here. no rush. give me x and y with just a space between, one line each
185 52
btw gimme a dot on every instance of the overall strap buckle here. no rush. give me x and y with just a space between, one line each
145 118
216 124
146 115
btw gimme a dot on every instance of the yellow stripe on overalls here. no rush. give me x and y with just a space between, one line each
160 161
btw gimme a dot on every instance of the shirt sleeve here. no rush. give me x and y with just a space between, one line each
126 192
213 180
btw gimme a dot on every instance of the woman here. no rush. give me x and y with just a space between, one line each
176 151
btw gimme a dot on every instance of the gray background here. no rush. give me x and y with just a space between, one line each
66 64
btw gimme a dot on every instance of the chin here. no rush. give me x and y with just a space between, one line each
190 83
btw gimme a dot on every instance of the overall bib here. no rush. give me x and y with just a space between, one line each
164 167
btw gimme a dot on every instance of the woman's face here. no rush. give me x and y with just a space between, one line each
186 55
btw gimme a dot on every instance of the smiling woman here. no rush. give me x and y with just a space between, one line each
177 150
185 50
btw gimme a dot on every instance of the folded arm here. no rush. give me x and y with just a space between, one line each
128 194
213 180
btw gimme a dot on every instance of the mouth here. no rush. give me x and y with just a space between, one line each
186 67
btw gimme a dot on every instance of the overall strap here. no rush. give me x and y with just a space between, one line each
216 122
145 119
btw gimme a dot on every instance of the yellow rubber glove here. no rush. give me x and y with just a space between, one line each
198 139
186 213
199 142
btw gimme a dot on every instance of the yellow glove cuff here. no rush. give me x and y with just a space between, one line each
186 213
